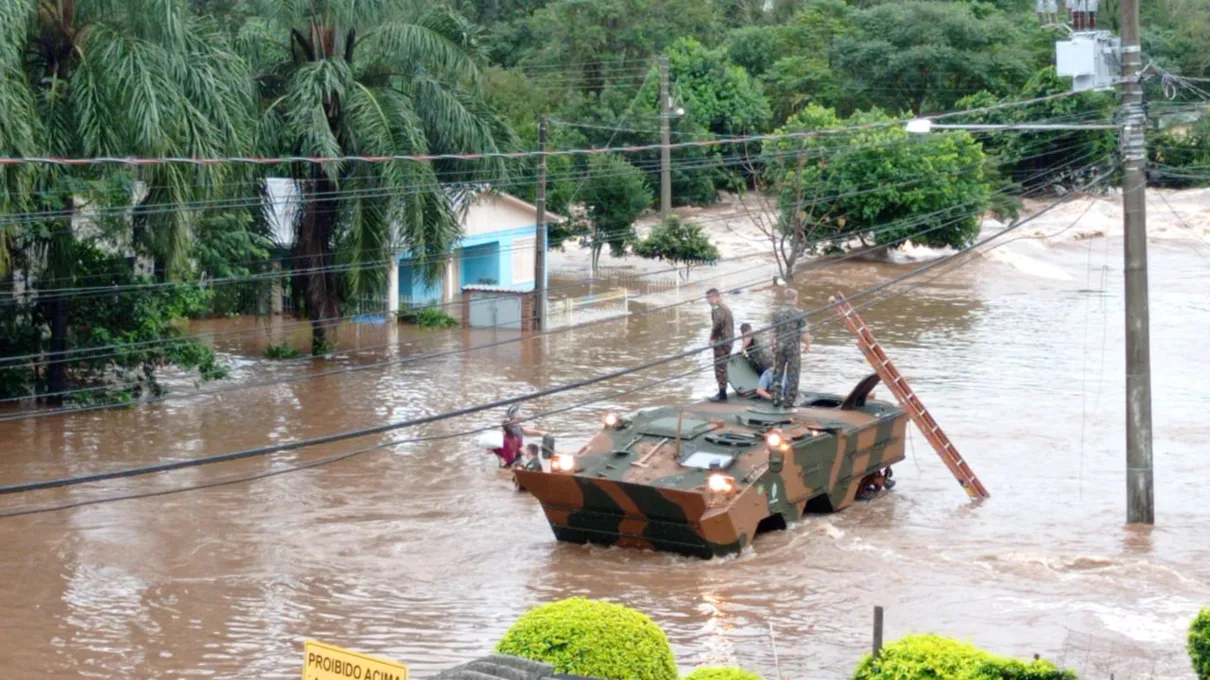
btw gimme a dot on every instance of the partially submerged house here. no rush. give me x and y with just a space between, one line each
500 232
496 250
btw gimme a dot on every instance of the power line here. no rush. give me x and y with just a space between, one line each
257 160
499 403
46 294
346 267
393 362
72 409
106 290
338 457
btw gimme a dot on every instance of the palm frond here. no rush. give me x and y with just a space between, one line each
411 48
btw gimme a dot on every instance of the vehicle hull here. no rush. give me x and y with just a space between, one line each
825 471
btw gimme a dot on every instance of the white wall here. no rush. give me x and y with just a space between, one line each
493 213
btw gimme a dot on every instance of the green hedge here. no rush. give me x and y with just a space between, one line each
1199 644
722 673
930 656
597 639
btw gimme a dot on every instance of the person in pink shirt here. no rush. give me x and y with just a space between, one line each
514 437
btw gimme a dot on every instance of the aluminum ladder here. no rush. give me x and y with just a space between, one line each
907 398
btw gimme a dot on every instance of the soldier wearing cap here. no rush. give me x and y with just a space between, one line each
789 336
722 330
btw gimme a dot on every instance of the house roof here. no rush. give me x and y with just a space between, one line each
462 195
283 204
502 667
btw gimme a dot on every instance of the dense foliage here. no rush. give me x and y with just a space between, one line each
875 184
219 78
592 638
721 673
932 656
678 242
117 341
1199 644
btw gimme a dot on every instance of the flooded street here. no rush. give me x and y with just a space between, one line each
421 553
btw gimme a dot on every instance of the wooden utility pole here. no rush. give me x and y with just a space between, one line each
540 240
1139 473
877 632
666 141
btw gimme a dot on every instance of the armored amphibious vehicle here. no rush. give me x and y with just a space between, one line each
703 479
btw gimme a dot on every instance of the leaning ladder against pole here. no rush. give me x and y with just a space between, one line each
898 386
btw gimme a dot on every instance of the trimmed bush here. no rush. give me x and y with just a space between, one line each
932 656
597 639
1199 644
722 673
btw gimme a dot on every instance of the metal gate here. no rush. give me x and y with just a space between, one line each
496 311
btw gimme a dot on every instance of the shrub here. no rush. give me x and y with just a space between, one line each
1199 644
429 317
932 656
722 673
282 351
591 638
435 318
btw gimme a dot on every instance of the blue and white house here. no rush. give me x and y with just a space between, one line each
500 232
496 249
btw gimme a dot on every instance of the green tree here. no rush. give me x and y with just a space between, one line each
592 638
805 68
117 340
592 42
85 78
678 242
875 185
1031 159
1199 644
615 195
385 78
932 656
720 94
924 56
229 245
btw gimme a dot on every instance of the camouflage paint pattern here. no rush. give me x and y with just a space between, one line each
631 488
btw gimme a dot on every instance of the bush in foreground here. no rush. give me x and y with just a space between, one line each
1199 644
932 656
597 639
722 673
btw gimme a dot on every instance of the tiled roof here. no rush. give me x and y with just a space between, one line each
501 667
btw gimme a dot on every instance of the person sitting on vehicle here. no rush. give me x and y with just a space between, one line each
514 434
755 349
533 461
766 381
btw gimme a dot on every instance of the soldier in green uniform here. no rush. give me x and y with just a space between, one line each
756 349
722 328
789 331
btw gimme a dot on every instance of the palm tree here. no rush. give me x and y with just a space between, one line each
116 78
368 78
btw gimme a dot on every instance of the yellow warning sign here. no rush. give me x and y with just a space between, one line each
326 662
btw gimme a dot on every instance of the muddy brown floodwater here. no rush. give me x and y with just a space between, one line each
422 554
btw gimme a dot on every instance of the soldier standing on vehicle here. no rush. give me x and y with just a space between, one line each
789 331
723 328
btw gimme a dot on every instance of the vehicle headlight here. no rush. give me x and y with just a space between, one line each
720 483
563 462
774 439
612 420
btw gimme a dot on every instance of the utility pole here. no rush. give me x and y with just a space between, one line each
1139 474
540 241
666 141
